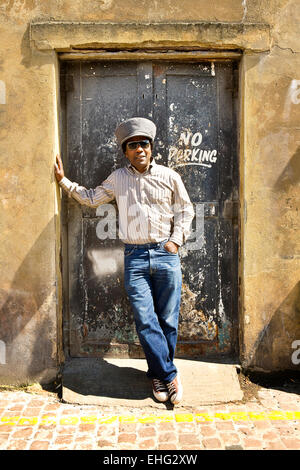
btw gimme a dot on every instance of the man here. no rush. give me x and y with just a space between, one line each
155 214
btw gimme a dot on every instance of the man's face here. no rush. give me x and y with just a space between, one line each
139 157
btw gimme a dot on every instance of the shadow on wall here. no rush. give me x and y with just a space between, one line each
291 174
287 187
287 228
28 316
277 344
274 348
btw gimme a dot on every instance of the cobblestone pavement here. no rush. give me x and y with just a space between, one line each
268 420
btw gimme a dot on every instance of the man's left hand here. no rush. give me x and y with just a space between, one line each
171 247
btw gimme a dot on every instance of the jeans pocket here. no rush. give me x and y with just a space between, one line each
128 251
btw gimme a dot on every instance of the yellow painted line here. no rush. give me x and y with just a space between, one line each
69 420
184 418
177 418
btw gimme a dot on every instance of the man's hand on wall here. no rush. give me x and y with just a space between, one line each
59 169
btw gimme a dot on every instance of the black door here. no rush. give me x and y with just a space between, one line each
192 105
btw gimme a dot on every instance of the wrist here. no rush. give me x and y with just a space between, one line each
173 243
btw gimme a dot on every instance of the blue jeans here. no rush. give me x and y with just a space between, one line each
153 283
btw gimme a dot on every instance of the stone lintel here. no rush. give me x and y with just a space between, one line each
72 36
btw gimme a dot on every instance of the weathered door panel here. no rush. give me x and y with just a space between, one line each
192 106
195 104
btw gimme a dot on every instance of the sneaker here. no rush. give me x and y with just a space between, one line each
160 390
175 390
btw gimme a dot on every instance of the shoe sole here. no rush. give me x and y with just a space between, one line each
176 401
161 400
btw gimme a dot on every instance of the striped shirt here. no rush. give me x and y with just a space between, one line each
153 206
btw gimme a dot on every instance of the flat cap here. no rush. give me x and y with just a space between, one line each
135 126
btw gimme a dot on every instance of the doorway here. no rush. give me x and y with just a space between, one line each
193 106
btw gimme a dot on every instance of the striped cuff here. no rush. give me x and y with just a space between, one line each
176 238
67 185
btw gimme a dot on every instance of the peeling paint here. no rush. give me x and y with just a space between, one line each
194 324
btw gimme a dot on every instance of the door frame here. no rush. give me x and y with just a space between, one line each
174 56
51 39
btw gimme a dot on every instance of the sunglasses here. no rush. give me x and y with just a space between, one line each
135 144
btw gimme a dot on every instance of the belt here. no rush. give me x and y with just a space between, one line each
146 245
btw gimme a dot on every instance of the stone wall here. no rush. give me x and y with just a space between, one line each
30 289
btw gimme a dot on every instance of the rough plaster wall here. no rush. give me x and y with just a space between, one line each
271 191
270 177
28 325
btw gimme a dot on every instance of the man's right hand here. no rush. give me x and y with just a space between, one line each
59 169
